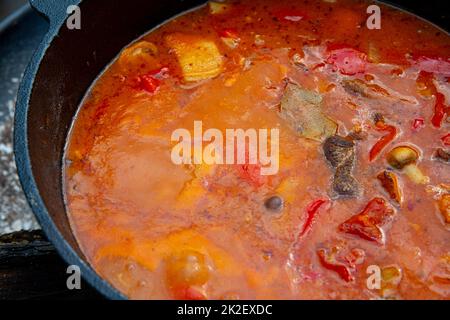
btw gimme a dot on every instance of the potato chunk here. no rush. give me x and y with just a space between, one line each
187 268
217 7
199 59
139 53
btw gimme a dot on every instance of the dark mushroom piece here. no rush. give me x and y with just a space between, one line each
340 153
338 150
345 185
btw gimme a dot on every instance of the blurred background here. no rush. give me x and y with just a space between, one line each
8 6
21 30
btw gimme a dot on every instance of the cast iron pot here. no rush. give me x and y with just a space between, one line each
59 74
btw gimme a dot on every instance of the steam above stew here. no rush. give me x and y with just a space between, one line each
363 181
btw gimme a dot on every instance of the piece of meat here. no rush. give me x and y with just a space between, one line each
302 110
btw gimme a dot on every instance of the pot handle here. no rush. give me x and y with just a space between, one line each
54 10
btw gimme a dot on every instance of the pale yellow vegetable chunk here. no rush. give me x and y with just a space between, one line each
142 52
217 7
199 59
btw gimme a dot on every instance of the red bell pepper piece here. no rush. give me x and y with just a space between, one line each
342 262
311 213
346 60
384 141
317 66
149 83
229 33
367 224
440 110
330 263
446 139
187 293
418 124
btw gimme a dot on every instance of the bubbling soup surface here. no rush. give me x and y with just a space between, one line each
362 184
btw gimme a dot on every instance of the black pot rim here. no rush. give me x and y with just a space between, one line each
25 172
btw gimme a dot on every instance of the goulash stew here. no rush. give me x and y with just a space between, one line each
269 150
